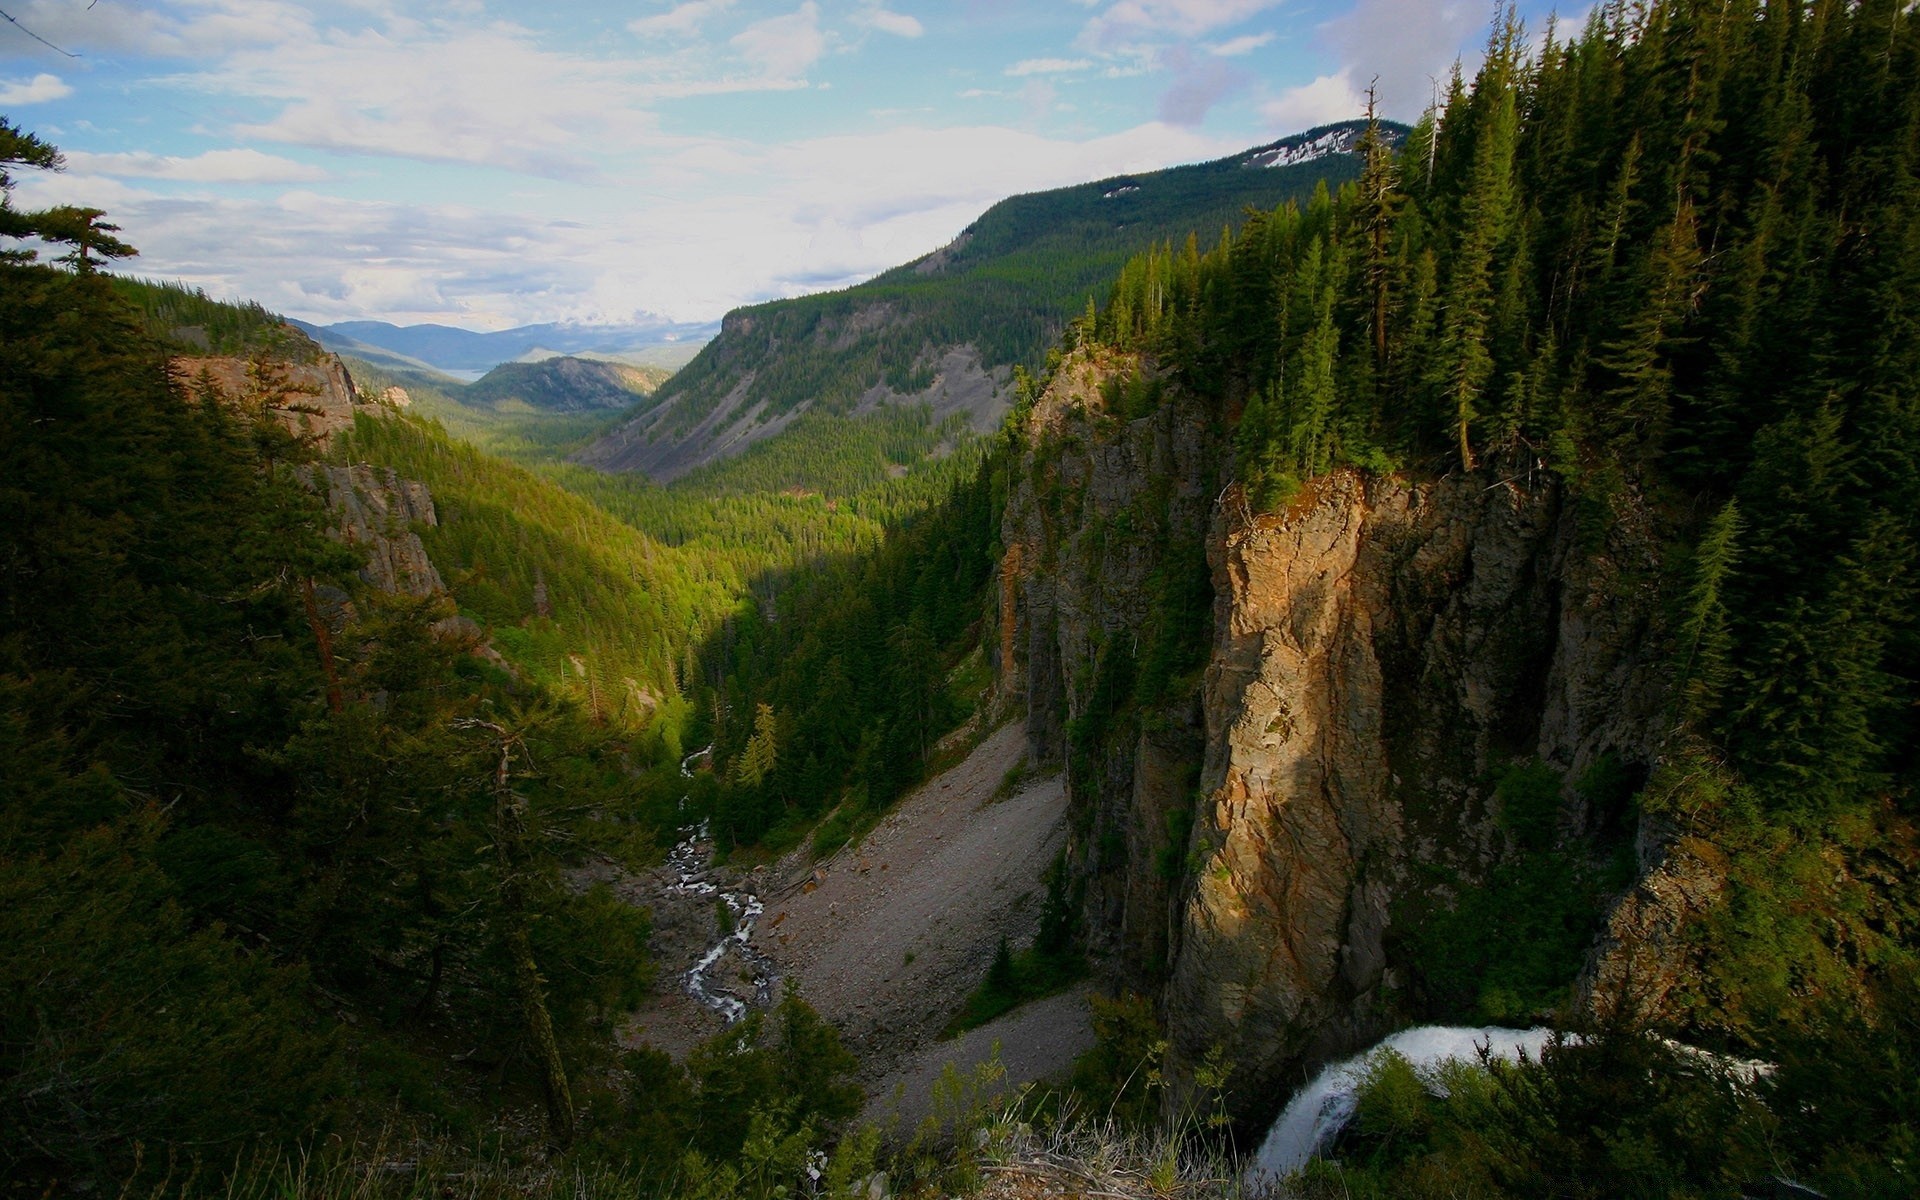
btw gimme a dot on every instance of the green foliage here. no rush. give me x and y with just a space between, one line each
247 850
860 662
1014 978
1529 797
563 385
127 1021
189 321
622 610
1612 1114
1120 1078
1505 946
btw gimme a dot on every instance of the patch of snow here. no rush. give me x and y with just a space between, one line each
1121 191
1292 153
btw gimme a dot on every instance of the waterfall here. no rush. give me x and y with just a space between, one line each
1322 1109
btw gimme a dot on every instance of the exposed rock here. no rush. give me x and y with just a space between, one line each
667 441
1379 649
1635 966
312 399
376 511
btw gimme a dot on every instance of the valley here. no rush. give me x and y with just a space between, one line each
1381 665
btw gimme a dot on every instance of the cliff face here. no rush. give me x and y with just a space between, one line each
1381 650
312 399
376 512
1377 652
1104 517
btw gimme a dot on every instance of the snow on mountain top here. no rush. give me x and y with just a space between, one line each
1294 151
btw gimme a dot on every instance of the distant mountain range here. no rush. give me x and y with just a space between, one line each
948 328
464 352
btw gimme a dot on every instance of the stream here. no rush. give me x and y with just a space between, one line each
691 862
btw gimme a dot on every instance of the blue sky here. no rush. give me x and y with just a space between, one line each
489 164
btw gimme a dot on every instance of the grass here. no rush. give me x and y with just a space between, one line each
1013 980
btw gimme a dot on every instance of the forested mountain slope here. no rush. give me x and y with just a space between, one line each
947 329
564 384
286 862
1485 594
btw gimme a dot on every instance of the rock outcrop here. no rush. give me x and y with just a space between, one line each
376 511
1377 652
312 399
1382 649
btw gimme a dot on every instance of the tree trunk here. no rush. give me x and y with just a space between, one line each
511 821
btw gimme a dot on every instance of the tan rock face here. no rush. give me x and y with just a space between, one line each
1382 648
1379 649
312 399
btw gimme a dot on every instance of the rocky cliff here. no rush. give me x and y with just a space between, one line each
1252 833
312 399
375 510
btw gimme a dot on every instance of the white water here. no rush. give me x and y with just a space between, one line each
1319 1111
1322 1109
690 860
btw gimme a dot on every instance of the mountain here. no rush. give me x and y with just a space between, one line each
450 349
1480 598
947 329
563 384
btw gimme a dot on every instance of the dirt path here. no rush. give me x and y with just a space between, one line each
887 939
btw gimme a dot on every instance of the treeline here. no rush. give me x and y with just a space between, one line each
1672 262
192 322
1675 254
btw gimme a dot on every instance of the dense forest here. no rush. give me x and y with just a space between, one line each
1672 262
276 873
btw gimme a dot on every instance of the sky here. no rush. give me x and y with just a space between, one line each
488 164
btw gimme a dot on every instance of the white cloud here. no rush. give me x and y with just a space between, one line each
1048 66
1408 44
486 95
1198 85
821 212
784 47
1128 19
684 20
214 166
887 21
1234 47
38 90
187 29
1327 99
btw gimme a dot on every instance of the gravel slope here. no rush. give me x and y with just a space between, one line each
887 939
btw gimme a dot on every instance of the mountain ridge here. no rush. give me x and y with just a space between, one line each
949 328
451 349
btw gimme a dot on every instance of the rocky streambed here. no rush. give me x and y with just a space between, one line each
730 975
